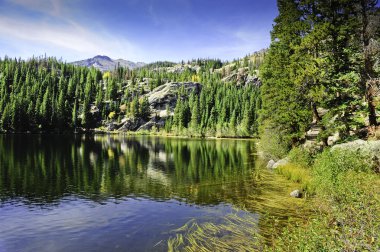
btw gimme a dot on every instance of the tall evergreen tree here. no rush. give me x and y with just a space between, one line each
284 108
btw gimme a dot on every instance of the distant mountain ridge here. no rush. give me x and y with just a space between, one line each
105 63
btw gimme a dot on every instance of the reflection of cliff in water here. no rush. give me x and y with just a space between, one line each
47 168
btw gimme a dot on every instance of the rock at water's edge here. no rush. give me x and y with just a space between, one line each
281 162
270 164
296 194
131 124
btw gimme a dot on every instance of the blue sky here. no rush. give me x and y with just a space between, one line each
137 30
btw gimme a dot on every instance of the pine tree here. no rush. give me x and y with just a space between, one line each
74 115
368 31
144 109
284 106
195 114
86 113
135 107
61 109
45 109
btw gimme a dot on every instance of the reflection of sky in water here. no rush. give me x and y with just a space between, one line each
132 224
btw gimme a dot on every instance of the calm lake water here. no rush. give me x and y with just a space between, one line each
114 193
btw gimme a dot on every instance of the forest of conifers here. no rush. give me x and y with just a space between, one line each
45 94
323 55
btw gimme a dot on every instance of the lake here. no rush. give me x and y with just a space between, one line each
122 193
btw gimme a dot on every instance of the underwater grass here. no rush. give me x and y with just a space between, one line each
344 217
241 230
236 233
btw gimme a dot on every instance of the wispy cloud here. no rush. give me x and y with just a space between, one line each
63 33
138 30
72 37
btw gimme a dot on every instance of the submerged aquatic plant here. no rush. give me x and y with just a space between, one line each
237 232
255 222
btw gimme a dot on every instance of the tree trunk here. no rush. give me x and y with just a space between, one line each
318 119
315 112
368 71
371 104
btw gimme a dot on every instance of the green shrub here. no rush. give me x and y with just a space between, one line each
332 164
301 156
272 145
347 223
347 206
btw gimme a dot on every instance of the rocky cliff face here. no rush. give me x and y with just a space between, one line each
165 96
105 63
162 100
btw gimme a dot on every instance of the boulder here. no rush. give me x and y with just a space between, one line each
296 194
230 78
112 126
313 132
152 123
270 164
369 148
252 80
94 110
333 139
241 76
313 146
364 147
322 111
131 124
147 126
280 162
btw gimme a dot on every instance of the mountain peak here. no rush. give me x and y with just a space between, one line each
105 63
102 57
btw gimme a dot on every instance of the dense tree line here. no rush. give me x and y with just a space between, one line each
220 109
43 94
324 54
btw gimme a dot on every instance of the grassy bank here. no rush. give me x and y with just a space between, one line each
185 133
343 190
346 190
254 222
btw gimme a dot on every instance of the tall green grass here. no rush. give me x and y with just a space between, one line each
300 175
298 170
348 207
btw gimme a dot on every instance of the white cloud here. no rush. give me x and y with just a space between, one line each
55 27
72 37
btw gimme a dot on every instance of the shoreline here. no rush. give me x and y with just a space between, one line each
127 133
